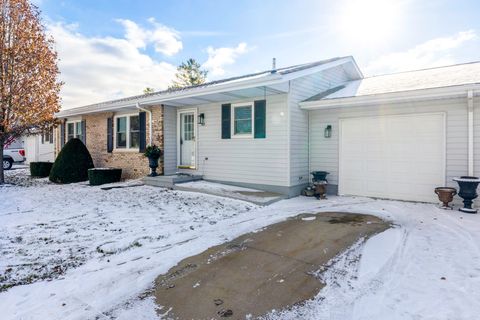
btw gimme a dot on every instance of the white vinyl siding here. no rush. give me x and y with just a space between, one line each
324 153
302 89
35 150
476 136
251 161
170 140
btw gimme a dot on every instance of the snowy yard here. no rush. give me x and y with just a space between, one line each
80 252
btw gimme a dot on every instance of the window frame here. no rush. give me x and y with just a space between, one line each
234 135
75 133
128 146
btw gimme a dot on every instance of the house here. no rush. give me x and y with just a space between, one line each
394 136
40 147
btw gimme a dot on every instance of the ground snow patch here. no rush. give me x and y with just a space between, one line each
85 253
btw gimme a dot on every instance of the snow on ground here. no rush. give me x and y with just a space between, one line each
235 192
87 253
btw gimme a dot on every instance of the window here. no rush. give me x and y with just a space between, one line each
78 130
134 132
127 132
70 131
188 127
242 118
74 130
47 136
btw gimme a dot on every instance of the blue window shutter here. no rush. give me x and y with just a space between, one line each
142 119
84 132
109 135
62 134
226 121
260 119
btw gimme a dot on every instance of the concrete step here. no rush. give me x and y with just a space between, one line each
170 180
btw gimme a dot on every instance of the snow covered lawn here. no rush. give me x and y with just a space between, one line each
79 252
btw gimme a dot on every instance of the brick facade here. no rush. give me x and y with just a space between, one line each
133 163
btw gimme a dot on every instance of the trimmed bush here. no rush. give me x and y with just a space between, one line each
40 169
98 176
72 163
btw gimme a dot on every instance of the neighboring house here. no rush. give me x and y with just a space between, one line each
40 147
394 136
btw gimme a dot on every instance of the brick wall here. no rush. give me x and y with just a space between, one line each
133 163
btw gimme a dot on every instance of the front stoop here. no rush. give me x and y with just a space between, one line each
170 180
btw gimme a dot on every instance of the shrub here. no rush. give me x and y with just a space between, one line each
40 169
98 176
72 163
153 152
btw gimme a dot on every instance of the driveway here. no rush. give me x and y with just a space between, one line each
271 269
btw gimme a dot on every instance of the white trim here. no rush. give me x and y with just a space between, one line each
232 120
444 160
402 96
127 133
195 134
75 133
470 95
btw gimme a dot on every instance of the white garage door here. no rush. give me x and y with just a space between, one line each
395 157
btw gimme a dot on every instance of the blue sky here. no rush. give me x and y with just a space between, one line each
110 49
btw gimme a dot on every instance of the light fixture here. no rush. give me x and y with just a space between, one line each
328 131
201 119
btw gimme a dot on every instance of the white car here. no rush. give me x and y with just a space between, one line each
12 153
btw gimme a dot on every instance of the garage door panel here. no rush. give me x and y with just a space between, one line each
397 157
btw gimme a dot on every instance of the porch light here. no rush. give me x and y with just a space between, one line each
328 131
201 119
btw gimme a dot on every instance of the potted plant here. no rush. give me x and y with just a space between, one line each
153 153
468 192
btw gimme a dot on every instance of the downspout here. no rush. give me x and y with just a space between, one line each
470 132
150 126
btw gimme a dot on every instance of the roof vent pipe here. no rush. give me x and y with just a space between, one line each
274 65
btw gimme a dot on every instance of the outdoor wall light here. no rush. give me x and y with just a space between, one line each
328 131
201 119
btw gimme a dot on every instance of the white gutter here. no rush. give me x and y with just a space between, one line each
150 125
409 95
470 132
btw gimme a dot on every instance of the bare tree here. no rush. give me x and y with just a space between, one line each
29 92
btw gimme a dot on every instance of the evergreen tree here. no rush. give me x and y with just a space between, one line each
189 73
148 90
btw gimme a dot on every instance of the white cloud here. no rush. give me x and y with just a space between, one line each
435 52
220 57
164 39
96 69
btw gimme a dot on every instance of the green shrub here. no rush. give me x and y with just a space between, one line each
40 169
98 176
72 163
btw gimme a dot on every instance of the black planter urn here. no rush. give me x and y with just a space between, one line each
468 192
153 164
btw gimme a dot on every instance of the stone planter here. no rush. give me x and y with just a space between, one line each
468 192
445 195
153 164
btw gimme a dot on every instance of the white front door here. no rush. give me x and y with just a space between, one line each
187 139
396 157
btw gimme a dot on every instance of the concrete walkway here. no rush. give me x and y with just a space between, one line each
258 272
